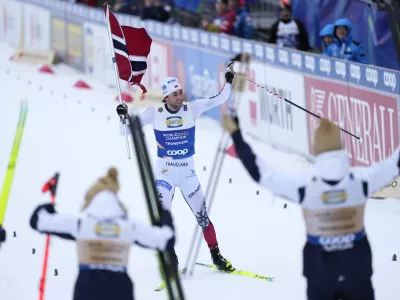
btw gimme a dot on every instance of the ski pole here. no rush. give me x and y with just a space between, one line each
51 186
298 106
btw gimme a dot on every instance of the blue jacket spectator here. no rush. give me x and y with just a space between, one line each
344 47
326 35
243 26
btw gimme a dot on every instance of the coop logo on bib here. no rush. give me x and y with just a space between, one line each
174 122
178 152
337 242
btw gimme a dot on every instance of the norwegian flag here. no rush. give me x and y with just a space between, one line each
131 47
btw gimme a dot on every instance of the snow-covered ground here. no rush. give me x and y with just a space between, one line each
75 132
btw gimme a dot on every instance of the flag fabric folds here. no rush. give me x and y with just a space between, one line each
131 47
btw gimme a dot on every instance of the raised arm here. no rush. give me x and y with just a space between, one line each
46 220
379 174
201 105
145 119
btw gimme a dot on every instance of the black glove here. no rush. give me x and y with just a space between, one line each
35 218
2 235
229 77
122 111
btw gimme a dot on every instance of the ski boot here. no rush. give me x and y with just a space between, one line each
219 261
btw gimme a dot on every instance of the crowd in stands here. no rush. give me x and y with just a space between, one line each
234 19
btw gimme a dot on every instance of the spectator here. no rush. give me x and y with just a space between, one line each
153 10
344 47
127 7
289 32
225 20
87 2
243 26
326 35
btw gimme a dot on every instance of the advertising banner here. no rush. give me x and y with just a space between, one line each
75 17
11 23
252 106
287 124
59 31
159 65
37 32
202 75
98 53
367 114
75 45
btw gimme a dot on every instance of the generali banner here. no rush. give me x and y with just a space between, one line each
367 114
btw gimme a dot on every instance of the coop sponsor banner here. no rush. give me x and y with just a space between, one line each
11 22
59 30
375 78
37 33
98 53
367 114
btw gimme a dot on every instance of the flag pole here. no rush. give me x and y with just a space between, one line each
114 60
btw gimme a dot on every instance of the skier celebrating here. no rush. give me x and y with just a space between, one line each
174 127
337 255
104 236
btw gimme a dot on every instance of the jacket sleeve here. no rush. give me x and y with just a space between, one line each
201 105
359 55
62 225
153 237
146 118
329 50
243 27
248 30
379 174
227 24
273 32
303 36
287 185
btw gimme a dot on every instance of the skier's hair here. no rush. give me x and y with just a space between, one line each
105 183
327 137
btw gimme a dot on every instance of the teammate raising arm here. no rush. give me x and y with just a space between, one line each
104 237
337 256
174 124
